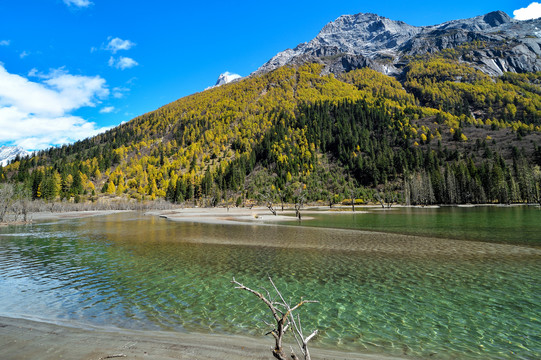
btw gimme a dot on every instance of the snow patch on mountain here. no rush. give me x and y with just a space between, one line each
225 78
8 153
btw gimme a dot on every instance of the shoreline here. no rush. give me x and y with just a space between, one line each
66 215
22 339
350 239
239 215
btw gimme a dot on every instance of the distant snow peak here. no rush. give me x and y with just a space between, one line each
226 78
8 153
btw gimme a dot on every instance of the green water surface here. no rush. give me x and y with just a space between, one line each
135 271
498 224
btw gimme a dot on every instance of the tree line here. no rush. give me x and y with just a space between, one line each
361 134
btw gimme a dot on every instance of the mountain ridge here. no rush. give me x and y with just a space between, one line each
370 40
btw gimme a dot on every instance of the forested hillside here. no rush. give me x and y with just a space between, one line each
444 133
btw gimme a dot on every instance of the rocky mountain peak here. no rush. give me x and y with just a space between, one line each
370 40
478 23
364 33
496 18
362 21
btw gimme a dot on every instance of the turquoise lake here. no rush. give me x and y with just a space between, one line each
134 271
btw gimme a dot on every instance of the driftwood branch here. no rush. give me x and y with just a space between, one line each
284 319
113 356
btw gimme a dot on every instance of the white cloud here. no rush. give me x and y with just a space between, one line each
5 42
533 11
107 110
36 115
126 63
117 44
59 93
118 92
122 62
78 3
24 54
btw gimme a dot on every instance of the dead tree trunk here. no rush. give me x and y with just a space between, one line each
380 199
352 200
271 208
392 200
282 313
6 200
298 205
24 210
269 203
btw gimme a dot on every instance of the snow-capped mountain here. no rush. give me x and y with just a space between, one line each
225 78
8 153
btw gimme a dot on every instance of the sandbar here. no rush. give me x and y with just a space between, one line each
305 237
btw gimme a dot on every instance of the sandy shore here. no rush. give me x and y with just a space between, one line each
245 216
25 339
48 215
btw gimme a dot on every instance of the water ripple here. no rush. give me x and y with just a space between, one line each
153 275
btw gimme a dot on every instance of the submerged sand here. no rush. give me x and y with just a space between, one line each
22 339
27 339
30 339
64 215
335 239
47 215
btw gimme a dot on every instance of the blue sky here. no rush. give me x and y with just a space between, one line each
72 68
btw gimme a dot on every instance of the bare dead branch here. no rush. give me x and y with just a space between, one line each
264 299
311 336
283 319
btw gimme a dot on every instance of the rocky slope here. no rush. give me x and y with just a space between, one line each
493 43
